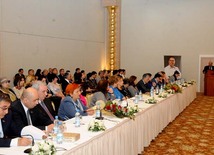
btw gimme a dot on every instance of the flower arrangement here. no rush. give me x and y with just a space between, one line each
174 87
162 95
43 148
96 125
151 100
121 112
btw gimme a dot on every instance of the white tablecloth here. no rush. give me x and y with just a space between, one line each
124 136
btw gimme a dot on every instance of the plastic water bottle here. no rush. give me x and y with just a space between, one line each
152 92
157 90
98 110
59 135
77 119
161 89
56 125
140 95
136 98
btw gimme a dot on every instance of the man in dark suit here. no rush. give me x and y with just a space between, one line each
61 75
142 85
208 67
7 128
45 105
24 115
156 81
66 81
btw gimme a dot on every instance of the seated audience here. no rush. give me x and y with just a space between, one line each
174 77
38 74
67 79
5 88
19 86
132 88
55 88
77 71
122 87
61 75
92 81
19 74
100 76
71 103
7 128
23 113
113 82
165 79
103 93
142 85
45 105
156 81
30 78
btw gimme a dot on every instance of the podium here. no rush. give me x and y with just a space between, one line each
209 83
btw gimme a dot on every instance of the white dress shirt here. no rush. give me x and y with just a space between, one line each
170 70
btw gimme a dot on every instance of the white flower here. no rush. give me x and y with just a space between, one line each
35 148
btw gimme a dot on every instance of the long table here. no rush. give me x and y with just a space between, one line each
124 136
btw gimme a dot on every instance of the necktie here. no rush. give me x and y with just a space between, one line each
28 118
1 130
47 111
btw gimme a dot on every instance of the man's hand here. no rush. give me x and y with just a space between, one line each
24 141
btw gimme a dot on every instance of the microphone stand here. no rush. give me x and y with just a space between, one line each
28 150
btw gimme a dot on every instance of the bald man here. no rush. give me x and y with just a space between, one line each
23 115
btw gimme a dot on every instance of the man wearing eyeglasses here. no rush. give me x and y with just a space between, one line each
6 127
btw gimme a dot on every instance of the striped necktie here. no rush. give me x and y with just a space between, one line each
47 111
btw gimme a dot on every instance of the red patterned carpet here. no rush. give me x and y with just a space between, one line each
192 132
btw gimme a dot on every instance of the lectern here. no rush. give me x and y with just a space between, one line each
209 83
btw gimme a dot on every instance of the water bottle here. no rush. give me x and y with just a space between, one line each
161 89
136 99
140 95
98 110
77 119
56 125
157 90
59 135
152 92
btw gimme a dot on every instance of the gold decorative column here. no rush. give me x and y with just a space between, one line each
112 29
112 35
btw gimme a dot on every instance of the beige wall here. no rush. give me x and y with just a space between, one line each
151 29
51 33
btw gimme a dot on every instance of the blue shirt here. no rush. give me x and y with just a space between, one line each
68 108
117 93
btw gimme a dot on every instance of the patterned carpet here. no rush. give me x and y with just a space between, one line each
192 132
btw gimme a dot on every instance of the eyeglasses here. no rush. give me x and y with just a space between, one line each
4 108
8 81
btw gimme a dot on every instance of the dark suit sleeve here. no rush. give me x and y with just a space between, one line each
4 142
18 116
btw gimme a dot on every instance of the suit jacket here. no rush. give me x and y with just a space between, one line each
64 85
142 87
39 109
9 129
206 68
38 119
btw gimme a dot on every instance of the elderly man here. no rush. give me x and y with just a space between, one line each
171 68
45 105
208 67
24 115
7 128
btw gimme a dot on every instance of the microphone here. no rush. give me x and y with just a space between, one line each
28 150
